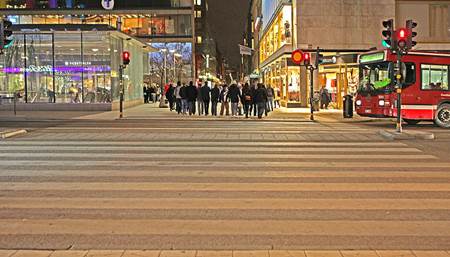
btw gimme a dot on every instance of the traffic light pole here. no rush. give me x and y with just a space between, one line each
122 89
398 87
311 93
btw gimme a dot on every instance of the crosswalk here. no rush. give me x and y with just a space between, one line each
211 186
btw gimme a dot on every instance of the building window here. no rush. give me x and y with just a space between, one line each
198 2
198 14
199 40
434 77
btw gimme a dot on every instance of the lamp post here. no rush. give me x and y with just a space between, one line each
162 102
175 65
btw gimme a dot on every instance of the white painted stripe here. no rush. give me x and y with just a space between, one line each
248 173
223 227
325 163
267 149
220 204
248 187
196 143
419 107
209 156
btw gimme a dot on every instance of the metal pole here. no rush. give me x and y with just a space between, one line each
399 93
311 93
25 73
121 91
53 69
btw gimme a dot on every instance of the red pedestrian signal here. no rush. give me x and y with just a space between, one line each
126 57
307 58
401 39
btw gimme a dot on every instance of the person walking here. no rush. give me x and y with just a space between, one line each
247 99
260 100
324 98
184 100
191 96
235 96
277 98
206 98
170 95
270 98
199 99
145 91
254 105
178 97
225 104
215 96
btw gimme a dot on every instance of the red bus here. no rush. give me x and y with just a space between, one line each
425 94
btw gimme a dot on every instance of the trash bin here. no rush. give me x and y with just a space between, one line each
348 107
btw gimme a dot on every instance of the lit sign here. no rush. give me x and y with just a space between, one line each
108 4
49 69
376 57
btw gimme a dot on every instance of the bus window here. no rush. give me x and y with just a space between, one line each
410 75
434 77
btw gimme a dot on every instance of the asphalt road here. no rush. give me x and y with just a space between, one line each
230 184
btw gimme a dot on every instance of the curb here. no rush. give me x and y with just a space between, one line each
393 135
4 135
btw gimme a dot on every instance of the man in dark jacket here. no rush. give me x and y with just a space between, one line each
191 96
206 98
234 94
215 94
170 95
260 99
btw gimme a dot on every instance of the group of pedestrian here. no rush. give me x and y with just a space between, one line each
201 99
150 94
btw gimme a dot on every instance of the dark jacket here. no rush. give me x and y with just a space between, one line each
183 90
247 95
234 94
191 93
170 95
223 98
260 95
205 93
270 92
215 94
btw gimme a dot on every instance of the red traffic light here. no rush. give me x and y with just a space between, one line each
307 57
126 57
297 56
402 34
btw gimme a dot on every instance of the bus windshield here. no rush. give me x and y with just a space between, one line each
376 78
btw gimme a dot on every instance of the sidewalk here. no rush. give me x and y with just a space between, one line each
272 253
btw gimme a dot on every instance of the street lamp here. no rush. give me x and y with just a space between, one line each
175 55
162 102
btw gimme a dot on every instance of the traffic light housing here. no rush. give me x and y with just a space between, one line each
319 58
6 33
411 34
389 35
306 59
126 58
402 38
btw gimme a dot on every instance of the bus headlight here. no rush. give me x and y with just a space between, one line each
381 103
358 103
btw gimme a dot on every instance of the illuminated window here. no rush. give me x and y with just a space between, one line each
198 2
199 40
198 14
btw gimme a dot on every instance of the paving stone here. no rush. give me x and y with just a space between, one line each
6 253
23 253
104 253
178 254
287 254
141 254
323 254
250 253
395 254
214 254
69 254
431 254
359 254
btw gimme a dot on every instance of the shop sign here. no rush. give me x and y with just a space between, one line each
368 58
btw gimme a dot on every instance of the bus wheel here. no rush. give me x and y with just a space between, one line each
412 122
443 116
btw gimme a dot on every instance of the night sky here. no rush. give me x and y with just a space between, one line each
227 20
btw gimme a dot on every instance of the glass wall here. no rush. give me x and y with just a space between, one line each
70 67
120 4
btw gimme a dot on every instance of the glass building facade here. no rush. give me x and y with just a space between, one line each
72 67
